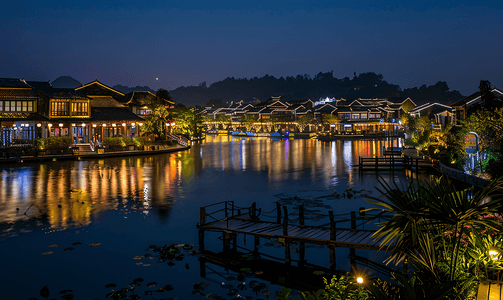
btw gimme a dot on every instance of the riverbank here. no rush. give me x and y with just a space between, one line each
95 155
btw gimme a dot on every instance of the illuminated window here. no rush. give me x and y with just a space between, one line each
19 105
80 109
355 116
143 112
363 116
1 105
59 108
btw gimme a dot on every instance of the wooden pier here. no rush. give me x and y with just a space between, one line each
234 221
395 163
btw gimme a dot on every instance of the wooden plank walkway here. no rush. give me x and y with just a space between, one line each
393 163
353 238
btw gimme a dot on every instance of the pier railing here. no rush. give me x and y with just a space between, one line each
225 210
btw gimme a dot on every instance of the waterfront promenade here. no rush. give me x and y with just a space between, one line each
87 155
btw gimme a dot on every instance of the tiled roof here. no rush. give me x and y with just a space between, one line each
17 94
97 88
13 83
57 93
138 98
104 101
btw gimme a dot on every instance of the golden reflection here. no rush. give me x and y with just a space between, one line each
73 193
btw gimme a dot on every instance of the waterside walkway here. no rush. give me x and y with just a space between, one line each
86 155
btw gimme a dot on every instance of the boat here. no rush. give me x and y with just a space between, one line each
243 133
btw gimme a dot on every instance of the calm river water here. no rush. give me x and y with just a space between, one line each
81 227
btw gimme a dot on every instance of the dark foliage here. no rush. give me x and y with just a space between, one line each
364 85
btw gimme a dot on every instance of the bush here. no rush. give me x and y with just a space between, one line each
113 142
138 141
40 144
58 142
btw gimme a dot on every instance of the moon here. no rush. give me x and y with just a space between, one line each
156 78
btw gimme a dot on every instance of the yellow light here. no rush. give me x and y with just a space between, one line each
494 253
94 125
39 125
141 124
359 280
124 124
104 125
133 124
113 125
73 124
60 124
83 125
50 125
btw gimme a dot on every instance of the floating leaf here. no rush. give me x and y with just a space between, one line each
245 269
139 263
139 279
65 291
146 265
318 272
134 284
76 243
47 253
230 278
137 257
67 297
110 285
53 245
151 284
94 244
168 287
69 249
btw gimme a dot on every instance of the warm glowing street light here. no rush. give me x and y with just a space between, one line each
359 280
494 253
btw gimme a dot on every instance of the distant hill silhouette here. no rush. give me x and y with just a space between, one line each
303 87
65 82
127 90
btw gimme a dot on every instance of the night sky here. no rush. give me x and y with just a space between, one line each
173 43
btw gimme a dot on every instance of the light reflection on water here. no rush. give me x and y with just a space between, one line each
156 199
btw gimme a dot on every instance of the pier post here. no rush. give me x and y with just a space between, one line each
352 260
226 214
302 254
202 215
201 240
332 226
333 264
278 213
301 215
285 222
353 220
202 267
288 258
227 242
417 164
256 243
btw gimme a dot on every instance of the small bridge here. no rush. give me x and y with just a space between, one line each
231 220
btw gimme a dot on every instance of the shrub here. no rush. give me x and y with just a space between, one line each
138 141
58 142
113 142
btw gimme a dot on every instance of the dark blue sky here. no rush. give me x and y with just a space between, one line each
172 43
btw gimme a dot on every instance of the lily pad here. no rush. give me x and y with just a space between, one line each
63 292
318 272
151 284
76 243
245 269
69 249
168 287
139 279
47 253
53 245
94 244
